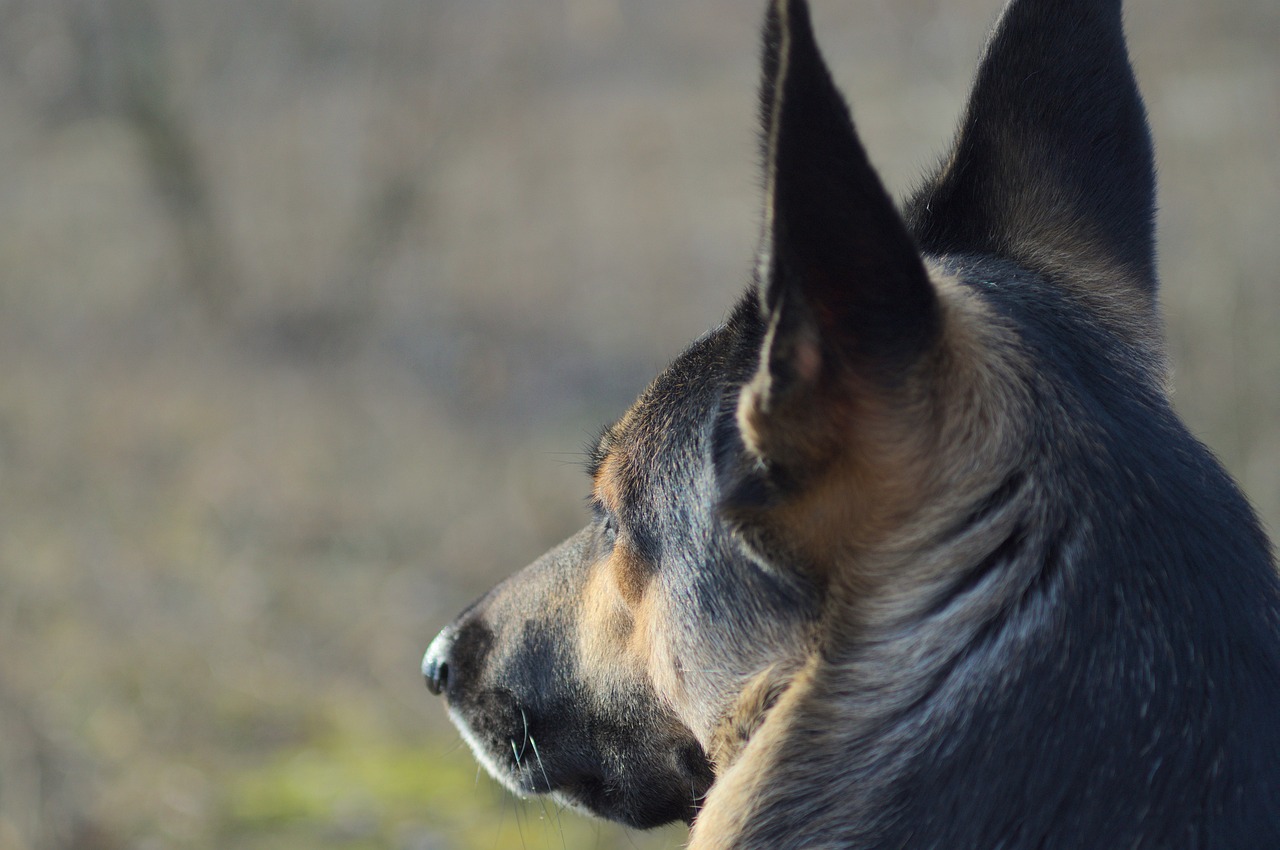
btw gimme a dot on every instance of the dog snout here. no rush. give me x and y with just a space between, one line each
435 663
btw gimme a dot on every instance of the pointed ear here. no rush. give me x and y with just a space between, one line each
1053 164
846 306
848 321
846 294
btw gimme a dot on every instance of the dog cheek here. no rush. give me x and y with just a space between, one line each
623 641
606 630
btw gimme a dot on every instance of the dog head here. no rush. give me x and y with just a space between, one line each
605 671
774 494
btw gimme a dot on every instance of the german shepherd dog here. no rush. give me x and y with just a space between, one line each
912 551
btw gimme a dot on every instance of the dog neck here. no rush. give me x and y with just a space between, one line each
859 698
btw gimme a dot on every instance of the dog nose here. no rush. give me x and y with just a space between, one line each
435 664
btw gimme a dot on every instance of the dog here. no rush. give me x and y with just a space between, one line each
912 551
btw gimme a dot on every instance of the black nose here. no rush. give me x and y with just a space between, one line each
435 664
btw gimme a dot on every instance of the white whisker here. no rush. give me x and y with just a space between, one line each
538 756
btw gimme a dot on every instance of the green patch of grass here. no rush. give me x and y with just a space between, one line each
315 781
351 795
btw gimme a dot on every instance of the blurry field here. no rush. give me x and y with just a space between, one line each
307 308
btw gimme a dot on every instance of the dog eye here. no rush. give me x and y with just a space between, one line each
605 521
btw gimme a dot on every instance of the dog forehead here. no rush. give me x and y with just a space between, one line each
667 426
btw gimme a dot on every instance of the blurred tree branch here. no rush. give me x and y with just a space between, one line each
137 65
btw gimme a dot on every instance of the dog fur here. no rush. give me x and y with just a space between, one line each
912 551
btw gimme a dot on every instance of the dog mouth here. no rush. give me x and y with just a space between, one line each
618 754
661 784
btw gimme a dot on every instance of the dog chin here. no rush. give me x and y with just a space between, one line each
634 805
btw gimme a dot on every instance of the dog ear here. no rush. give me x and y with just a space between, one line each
846 306
846 298
840 270
1053 163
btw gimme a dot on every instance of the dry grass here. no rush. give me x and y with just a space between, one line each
306 309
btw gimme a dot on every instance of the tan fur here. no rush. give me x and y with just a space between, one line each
615 624
747 715
740 779
620 629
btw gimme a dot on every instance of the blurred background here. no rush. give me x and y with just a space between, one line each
308 306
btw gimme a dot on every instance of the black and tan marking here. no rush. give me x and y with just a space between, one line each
912 552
